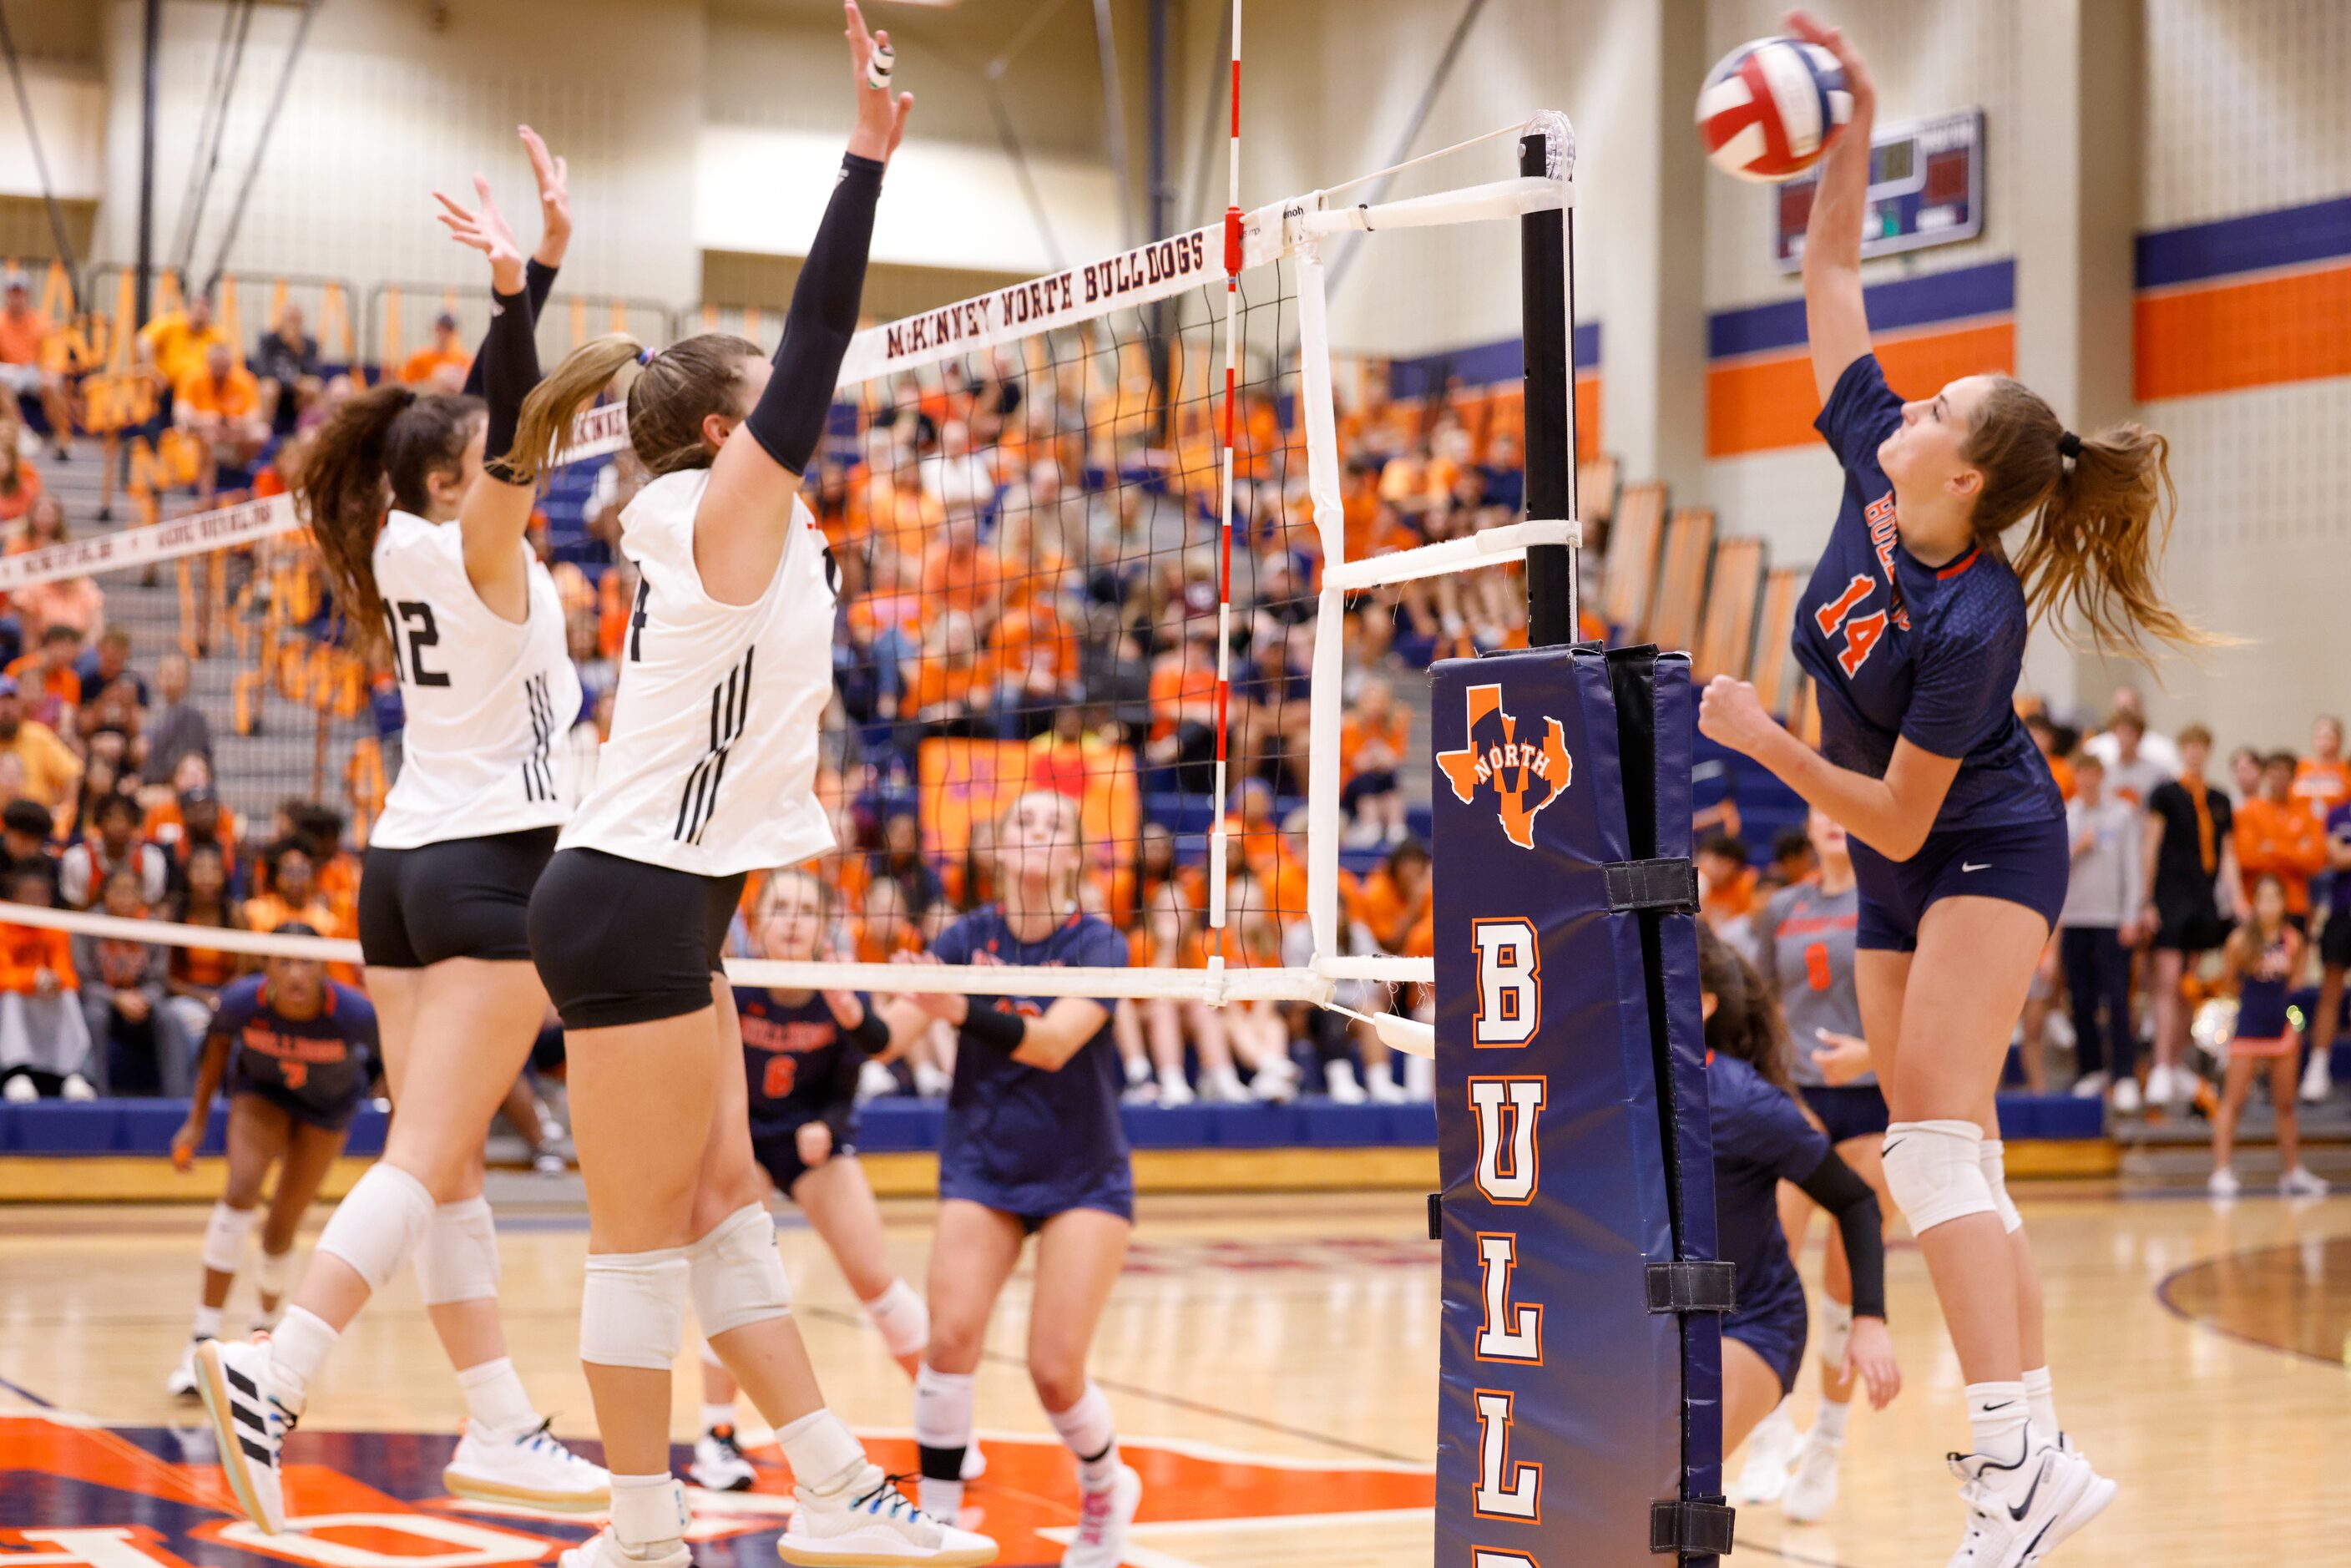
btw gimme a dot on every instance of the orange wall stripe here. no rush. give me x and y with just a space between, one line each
1765 405
2293 327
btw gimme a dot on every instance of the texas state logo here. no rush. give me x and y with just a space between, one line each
1523 774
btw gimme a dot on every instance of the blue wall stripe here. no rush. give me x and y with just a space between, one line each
1904 303
2285 237
1482 364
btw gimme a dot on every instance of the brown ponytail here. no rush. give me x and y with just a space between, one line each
2103 519
1746 1022
667 401
384 444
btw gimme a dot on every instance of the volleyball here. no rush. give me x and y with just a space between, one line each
1771 107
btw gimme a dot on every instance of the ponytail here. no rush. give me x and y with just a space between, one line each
2103 508
1746 1022
389 440
668 399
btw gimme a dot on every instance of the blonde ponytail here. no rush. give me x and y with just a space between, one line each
561 396
668 399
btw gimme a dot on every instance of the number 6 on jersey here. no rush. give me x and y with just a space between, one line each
1509 981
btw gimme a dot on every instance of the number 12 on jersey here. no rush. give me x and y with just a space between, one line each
415 617
1509 981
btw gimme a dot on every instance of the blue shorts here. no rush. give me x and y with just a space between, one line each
1848 1111
2026 864
779 1154
1032 1205
1774 1328
327 1116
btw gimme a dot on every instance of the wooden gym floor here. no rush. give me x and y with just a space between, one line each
1271 1361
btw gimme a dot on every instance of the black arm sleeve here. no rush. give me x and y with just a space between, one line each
871 1036
510 352
790 418
1838 1188
537 281
840 1093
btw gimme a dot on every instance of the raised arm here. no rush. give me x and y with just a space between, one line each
553 175
1892 815
1834 316
495 512
739 534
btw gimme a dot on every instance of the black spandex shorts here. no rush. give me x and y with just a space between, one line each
2334 937
2189 923
621 941
461 898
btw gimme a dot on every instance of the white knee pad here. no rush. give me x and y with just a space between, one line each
1935 1171
904 1321
379 1223
1836 1332
458 1259
225 1235
273 1271
1995 1170
632 1307
738 1275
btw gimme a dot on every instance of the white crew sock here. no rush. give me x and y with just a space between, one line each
496 1401
824 1454
208 1323
1828 1427
942 1421
1086 1428
297 1348
2038 1393
1997 1415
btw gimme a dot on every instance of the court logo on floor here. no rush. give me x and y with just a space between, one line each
1524 774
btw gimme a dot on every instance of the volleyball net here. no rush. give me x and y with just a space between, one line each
1091 539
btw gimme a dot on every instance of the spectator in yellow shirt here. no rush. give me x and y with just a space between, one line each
177 341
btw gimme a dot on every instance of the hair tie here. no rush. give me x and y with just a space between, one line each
645 357
2069 445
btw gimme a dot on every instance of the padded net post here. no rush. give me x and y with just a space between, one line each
1546 273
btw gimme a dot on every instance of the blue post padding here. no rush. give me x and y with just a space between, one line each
1665 680
1528 806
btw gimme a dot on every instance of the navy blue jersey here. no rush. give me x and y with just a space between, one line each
1018 1138
2338 830
2261 994
1761 1139
801 1066
1897 649
326 1062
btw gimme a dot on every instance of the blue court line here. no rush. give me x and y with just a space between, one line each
25 1394
2163 1298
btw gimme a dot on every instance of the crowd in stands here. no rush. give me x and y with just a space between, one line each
2171 856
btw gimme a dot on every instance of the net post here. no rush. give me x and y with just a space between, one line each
1317 412
1547 287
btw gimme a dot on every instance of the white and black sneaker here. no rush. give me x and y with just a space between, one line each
250 1423
182 1382
2008 1528
720 1464
867 1522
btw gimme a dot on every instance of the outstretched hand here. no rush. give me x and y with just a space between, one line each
1730 713
554 177
881 118
1812 30
485 230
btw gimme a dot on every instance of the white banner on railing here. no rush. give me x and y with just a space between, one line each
599 431
191 535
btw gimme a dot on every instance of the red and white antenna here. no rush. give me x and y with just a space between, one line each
1216 834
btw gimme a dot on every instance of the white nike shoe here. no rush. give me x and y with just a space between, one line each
2300 1183
1102 1519
531 1467
2060 1493
605 1550
867 1522
1764 1477
719 1463
2317 1080
2224 1183
1812 1483
249 1422
182 1382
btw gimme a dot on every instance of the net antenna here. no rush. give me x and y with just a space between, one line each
1218 837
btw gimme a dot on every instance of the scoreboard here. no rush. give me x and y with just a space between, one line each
1926 187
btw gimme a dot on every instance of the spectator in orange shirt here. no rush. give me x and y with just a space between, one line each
22 330
2322 781
1727 889
197 974
2043 731
44 1037
959 574
75 602
1184 706
887 928
220 406
1393 903
20 482
441 362
2277 836
1373 739
45 525
45 679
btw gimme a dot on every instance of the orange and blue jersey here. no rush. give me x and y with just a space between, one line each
1900 649
1018 1139
318 1068
799 1067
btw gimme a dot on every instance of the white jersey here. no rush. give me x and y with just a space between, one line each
488 700
711 764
